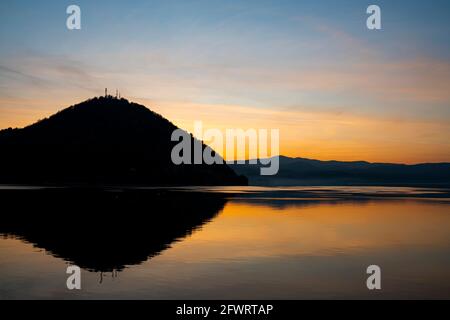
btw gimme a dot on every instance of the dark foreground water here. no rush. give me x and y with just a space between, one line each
256 243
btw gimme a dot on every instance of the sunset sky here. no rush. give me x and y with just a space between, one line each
312 69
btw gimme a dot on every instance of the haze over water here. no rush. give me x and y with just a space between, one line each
271 243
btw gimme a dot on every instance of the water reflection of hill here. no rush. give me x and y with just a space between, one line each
280 198
104 231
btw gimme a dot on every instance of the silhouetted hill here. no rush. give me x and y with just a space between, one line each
102 141
300 171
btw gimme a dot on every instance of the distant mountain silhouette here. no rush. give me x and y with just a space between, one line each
300 171
102 141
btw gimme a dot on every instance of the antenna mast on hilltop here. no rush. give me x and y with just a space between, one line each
106 92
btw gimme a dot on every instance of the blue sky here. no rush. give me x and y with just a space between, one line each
204 60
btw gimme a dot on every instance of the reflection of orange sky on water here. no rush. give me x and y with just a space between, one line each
254 251
14 253
245 230
251 230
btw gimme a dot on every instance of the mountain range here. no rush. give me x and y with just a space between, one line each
302 172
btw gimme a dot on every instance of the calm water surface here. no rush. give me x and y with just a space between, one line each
269 243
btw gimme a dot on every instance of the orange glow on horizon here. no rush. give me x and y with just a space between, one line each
315 135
